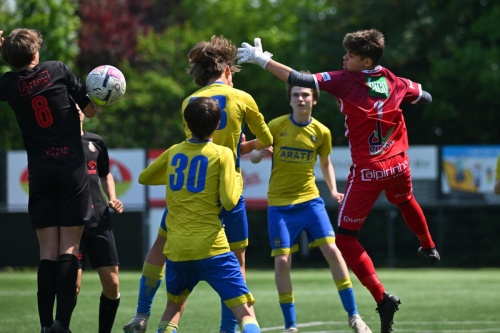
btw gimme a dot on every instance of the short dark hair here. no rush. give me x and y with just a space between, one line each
366 44
315 92
20 46
202 115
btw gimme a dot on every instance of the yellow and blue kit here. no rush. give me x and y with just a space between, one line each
238 109
294 201
296 147
200 177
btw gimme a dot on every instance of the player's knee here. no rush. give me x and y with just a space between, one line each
340 240
344 240
111 293
110 287
404 203
281 262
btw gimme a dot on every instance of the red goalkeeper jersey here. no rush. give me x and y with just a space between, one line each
370 101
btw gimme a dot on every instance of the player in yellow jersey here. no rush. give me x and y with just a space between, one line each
295 204
200 177
212 65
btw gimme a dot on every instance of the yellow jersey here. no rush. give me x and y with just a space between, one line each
238 108
200 177
296 147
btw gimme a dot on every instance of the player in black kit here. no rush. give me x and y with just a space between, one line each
98 241
42 96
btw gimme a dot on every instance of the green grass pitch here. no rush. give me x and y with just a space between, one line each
433 300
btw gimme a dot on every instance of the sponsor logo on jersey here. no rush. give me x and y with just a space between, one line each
91 167
349 219
368 175
401 195
33 84
295 155
57 152
378 86
378 142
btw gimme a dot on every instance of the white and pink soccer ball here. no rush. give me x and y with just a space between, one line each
106 85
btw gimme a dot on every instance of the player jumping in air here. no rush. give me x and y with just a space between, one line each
370 97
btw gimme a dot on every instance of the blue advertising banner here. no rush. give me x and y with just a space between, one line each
469 171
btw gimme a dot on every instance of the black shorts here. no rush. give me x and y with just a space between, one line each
98 245
60 198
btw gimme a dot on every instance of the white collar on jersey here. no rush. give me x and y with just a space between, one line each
376 69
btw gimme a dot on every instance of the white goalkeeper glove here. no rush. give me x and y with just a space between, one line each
253 54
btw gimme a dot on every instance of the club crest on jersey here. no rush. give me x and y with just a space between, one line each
92 147
378 86
314 138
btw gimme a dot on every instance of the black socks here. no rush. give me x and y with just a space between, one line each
107 313
46 294
67 272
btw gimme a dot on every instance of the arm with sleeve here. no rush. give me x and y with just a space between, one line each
231 182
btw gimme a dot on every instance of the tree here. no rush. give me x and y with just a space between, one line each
451 48
109 31
58 23
465 71
150 114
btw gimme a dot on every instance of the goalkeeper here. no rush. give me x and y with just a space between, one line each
370 97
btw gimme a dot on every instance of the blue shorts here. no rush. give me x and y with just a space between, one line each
285 223
162 229
235 224
222 272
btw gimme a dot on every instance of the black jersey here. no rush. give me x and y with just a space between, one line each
43 100
97 158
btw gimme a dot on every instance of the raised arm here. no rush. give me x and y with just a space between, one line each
254 55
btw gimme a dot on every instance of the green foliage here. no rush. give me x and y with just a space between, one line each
465 74
150 113
450 47
56 19
58 22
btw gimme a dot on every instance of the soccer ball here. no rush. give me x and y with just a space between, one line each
105 85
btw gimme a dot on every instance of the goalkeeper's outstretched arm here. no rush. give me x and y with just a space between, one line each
253 54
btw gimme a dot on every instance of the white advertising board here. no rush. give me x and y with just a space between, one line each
125 165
